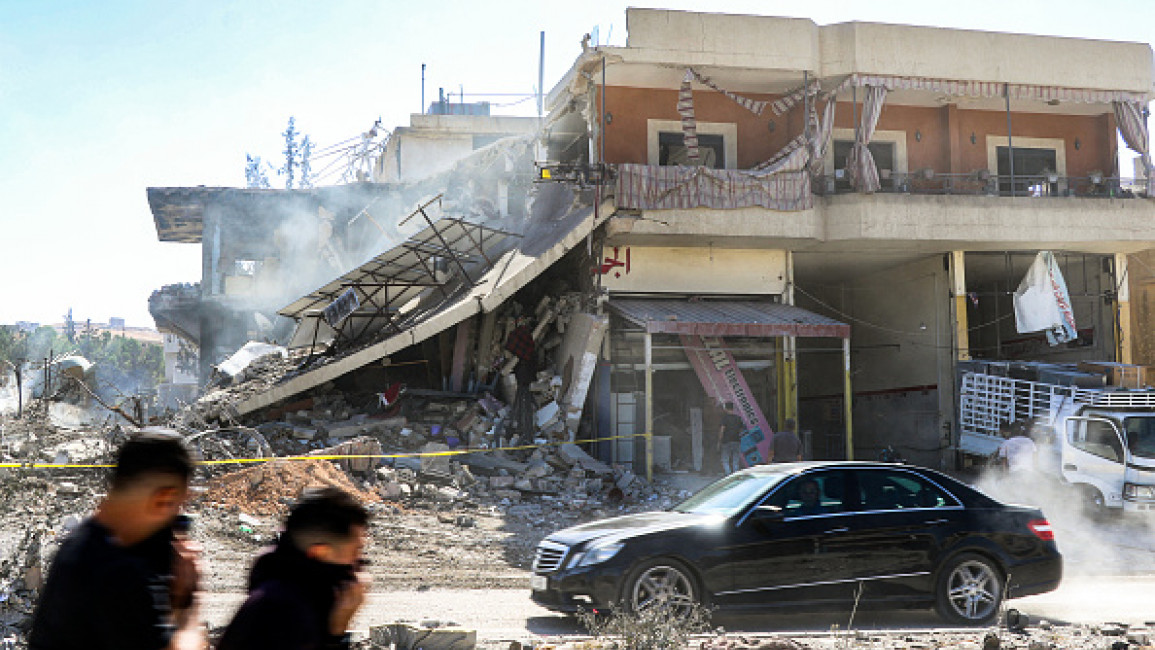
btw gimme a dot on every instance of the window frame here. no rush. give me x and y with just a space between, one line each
896 138
728 131
1058 145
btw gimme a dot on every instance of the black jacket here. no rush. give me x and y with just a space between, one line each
290 598
101 595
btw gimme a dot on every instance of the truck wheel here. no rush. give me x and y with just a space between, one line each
1094 505
664 583
969 590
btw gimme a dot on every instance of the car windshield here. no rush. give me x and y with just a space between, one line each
1140 435
731 494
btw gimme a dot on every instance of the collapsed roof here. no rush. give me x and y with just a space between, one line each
559 220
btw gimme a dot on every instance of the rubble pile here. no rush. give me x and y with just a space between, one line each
269 488
216 407
40 506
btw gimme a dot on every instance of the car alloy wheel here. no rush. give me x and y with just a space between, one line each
662 584
970 590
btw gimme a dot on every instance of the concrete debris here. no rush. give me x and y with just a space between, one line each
236 367
432 637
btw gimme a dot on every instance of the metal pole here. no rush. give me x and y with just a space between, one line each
649 358
848 399
422 88
1010 145
541 77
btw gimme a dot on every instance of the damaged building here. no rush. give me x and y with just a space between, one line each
815 223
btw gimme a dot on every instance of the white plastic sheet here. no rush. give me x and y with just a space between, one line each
1042 303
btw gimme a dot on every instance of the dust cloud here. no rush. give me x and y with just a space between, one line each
1110 545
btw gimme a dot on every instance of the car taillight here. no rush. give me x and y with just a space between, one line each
1042 529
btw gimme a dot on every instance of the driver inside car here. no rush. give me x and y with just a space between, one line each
811 497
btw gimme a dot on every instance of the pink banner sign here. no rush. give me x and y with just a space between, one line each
723 381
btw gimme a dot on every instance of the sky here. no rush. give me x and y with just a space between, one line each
101 100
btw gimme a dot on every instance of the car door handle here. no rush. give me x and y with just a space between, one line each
1068 467
937 522
832 531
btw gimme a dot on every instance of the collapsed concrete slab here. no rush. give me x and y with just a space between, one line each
554 230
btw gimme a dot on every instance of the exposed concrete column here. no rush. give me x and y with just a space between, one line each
958 289
649 434
1123 338
847 399
954 144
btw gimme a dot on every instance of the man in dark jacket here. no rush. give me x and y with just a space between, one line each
305 590
126 579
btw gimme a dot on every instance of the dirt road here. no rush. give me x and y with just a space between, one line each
508 614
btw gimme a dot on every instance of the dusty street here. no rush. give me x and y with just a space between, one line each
508 614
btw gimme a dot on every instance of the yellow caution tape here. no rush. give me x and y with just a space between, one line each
239 461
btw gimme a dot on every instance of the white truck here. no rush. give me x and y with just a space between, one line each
1099 441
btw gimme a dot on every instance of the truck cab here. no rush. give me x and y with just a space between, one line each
1109 455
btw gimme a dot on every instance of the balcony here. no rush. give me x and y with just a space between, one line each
919 213
1096 186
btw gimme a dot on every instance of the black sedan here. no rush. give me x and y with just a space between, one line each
811 536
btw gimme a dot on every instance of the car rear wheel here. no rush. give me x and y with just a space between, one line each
969 590
663 583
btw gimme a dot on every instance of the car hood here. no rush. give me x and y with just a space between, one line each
628 526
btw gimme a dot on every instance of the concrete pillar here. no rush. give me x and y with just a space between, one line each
958 285
953 140
649 434
1123 338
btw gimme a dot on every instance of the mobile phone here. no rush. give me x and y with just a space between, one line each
182 524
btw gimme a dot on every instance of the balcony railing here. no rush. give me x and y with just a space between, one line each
983 184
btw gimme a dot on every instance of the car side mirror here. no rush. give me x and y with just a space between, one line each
768 514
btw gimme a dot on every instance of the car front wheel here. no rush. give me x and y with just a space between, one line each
665 584
969 590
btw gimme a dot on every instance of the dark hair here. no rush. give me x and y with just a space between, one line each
324 516
151 452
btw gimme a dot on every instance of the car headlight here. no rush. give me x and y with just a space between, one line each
1133 491
596 554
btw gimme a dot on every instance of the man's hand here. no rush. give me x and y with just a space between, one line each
186 573
349 599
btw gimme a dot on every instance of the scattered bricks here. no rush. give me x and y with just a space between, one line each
466 422
512 495
538 469
501 482
435 464
301 433
350 431
391 491
491 405
546 414
463 476
626 480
